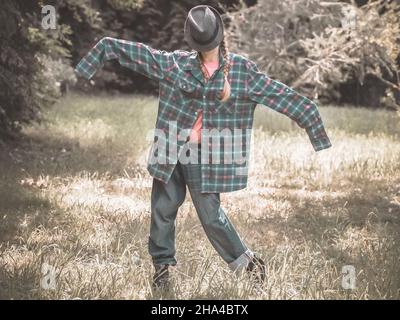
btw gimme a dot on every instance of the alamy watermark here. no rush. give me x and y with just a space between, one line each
349 277
48 280
218 146
49 20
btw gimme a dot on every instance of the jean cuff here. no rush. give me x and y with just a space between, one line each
241 262
170 262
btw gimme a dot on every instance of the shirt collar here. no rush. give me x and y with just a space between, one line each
192 60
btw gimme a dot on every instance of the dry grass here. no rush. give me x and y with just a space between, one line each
75 195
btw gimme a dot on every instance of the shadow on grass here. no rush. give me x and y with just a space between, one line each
361 229
324 220
25 209
60 156
321 222
20 209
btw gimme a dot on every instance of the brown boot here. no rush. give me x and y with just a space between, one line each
161 277
256 268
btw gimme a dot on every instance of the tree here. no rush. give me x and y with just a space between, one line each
320 47
33 63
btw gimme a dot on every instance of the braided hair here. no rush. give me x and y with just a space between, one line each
226 92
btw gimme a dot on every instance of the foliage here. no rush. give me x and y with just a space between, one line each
306 43
317 46
27 55
125 4
35 63
157 23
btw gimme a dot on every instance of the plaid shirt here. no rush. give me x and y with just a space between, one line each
183 90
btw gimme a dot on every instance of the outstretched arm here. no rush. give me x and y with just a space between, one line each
281 98
134 55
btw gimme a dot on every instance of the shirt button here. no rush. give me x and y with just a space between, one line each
204 96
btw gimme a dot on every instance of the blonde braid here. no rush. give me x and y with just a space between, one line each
226 92
227 87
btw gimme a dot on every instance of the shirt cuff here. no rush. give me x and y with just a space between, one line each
318 137
85 70
241 262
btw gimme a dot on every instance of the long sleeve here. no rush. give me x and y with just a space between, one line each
136 56
281 98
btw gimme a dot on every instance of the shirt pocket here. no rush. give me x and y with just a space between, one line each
188 95
187 89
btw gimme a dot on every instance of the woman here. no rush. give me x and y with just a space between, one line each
208 92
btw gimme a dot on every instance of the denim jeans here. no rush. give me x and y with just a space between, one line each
165 202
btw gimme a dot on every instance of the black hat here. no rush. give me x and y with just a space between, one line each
204 28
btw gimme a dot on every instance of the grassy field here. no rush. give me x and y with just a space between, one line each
75 195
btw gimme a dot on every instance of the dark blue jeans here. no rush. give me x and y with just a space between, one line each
165 202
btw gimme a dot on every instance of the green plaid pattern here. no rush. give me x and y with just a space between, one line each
183 91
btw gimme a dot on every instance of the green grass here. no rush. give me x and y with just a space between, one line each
75 194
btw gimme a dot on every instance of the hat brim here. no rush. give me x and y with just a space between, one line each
213 44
